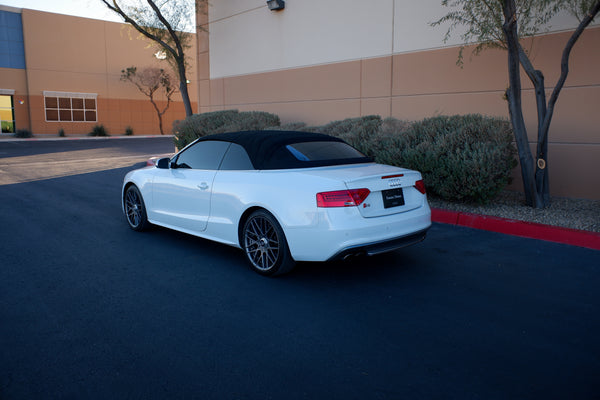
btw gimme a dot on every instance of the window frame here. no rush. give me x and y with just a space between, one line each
86 107
227 165
191 148
11 109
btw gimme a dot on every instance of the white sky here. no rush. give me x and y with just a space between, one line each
81 8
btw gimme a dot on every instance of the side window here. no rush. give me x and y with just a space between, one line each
236 159
203 155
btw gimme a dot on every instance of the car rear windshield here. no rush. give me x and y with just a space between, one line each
322 151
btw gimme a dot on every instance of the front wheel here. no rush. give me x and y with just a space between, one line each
265 245
135 210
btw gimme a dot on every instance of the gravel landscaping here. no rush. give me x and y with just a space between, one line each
579 214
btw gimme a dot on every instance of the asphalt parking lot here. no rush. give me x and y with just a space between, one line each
90 309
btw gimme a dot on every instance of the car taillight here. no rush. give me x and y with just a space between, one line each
420 186
342 198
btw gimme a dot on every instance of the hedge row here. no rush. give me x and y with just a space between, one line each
199 125
462 158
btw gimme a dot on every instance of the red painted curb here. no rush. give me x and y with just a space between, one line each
573 237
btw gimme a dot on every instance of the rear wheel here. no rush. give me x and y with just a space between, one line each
135 210
265 245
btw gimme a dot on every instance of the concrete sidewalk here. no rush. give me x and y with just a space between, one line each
78 137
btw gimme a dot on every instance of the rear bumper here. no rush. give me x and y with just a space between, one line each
371 249
342 231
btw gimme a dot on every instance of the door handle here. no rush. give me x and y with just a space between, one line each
203 186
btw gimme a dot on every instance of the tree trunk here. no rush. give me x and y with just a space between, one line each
160 126
515 107
536 77
160 123
183 89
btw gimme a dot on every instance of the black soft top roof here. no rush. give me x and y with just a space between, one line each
266 149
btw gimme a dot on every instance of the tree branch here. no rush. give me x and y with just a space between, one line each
117 9
564 65
163 20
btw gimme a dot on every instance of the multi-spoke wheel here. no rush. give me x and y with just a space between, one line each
265 245
135 211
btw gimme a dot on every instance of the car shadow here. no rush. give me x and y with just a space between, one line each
384 266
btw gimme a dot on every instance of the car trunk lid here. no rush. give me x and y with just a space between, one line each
392 192
396 184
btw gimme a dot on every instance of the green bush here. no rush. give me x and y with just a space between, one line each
129 131
199 125
359 132
462 158
98 130
291 126
61 132
7 126
23 134
363 127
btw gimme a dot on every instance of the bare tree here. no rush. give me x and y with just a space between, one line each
502 24
164 22
151 82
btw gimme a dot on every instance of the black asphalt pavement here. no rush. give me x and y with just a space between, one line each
90 309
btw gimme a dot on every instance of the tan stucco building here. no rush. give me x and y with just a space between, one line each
318 61
63 72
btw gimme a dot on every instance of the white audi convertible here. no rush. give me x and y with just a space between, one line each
282 197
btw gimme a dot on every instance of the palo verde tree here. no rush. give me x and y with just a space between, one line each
152 82
503 24
166 23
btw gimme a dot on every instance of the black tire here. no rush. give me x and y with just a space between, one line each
265 245
135 209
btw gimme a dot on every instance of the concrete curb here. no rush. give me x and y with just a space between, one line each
573 237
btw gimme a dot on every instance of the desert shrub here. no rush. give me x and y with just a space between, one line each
290 126
23 134
128 131
462 158
199 125
359 132
384 145
98 130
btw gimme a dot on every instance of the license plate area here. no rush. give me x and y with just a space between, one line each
393 198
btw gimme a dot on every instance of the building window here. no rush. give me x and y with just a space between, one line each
12 50
7 114
70 107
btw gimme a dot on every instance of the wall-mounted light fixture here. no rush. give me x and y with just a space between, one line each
276 5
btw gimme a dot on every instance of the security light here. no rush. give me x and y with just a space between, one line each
275 5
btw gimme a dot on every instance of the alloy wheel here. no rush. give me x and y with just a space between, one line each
134 208
262 243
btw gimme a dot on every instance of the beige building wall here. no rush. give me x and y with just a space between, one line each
417 78
80 55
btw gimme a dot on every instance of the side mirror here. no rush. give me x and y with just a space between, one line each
163 163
